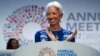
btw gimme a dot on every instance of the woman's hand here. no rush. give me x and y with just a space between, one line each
50 35
70 37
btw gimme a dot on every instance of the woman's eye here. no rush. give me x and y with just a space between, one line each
54 13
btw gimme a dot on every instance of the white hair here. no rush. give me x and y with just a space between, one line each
56 4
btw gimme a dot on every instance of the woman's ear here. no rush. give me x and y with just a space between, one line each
61 15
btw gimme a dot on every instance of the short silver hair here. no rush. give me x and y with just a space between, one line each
55 4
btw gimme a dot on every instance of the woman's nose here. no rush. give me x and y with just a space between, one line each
51 16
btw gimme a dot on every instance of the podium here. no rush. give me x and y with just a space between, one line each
7 52
56 48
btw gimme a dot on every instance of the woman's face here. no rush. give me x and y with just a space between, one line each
53 15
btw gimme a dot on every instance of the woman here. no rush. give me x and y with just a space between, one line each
12 44
54 32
